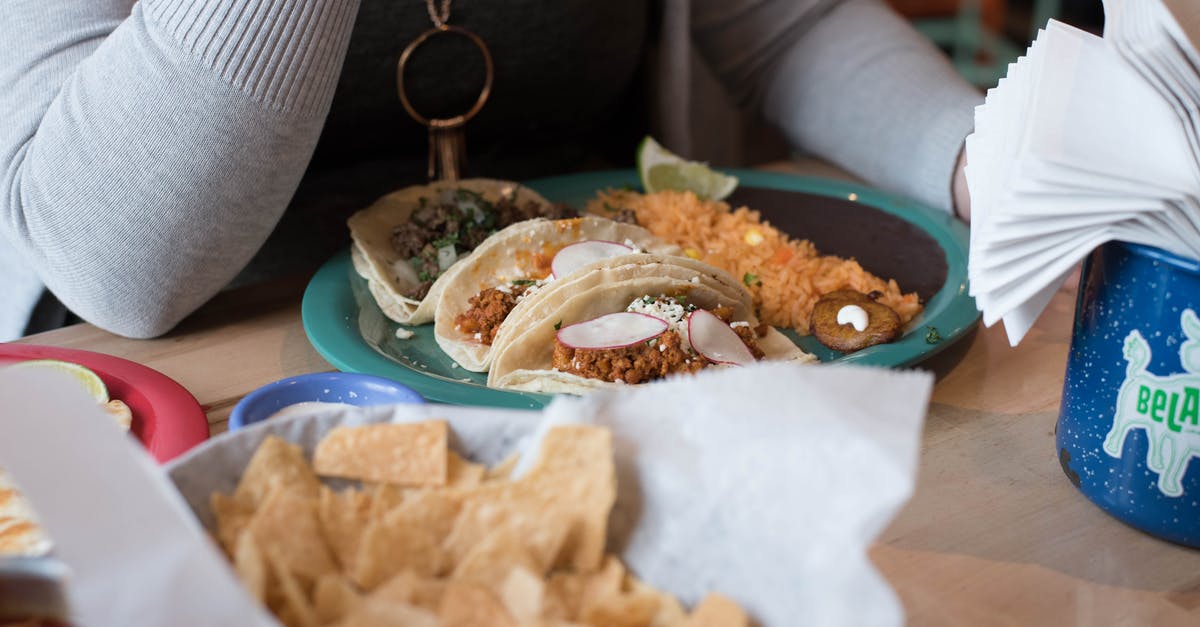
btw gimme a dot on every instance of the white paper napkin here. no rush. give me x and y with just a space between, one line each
1087 140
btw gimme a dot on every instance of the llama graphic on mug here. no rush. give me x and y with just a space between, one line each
1167 407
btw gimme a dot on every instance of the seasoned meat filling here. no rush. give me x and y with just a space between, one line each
749 336
438 232
487 310
641 362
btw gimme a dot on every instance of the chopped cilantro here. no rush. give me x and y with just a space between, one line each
466 194
523 281
611 209
558 325
647 300
445 241
425 276
750 279
932 336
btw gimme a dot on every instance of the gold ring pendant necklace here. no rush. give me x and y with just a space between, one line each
447 142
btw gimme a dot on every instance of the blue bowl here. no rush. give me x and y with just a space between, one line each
1129 424
362 390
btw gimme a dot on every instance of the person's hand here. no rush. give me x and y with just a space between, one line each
959 193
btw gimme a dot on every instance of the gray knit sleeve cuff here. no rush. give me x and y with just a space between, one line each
286 55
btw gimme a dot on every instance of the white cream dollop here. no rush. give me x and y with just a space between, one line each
854 315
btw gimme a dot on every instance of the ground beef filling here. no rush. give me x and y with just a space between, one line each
434 225
486 310
641 362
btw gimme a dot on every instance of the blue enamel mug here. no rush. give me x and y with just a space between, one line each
1129 424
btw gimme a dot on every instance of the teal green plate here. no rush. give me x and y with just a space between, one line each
349 330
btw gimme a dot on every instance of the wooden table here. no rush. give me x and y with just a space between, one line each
995 534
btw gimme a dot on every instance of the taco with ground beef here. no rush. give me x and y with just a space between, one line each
517 264
635 325
409 240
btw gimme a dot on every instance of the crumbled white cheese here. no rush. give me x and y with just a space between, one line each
664 308
454 365
739 323
478 336
637 249
532 289
504 288
695 279
403 334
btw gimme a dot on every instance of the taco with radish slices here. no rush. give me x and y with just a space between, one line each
635 325
527 259
408 240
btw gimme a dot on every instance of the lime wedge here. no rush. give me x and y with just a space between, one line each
660 170
86 378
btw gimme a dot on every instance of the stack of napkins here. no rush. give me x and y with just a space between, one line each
1087 140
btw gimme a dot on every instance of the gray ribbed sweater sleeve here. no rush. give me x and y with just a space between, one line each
849 81
148 149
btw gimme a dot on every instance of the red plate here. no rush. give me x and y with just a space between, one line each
166 417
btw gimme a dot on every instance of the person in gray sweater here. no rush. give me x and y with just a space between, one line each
149 150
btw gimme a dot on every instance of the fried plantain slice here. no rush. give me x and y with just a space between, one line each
883 323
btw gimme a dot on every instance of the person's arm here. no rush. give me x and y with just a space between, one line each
148 149
850 81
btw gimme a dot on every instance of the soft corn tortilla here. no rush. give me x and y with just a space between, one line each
547 302
388 276
523 251
525 362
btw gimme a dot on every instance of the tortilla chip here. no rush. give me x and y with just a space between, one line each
563 596
251 567
462 473
286 526
344 518
603 583
433 510
120 413
403 454
575 468
535 520
472 605
717 610
522 592
621 610
232 517
670 612
381 613
503 470
294 603
493 558
334 597
387 549
385 497
276 464
413 589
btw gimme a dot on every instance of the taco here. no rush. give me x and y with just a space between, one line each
634 326
408 240
515 264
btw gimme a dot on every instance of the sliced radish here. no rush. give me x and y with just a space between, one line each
575 256
711 337
615 330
